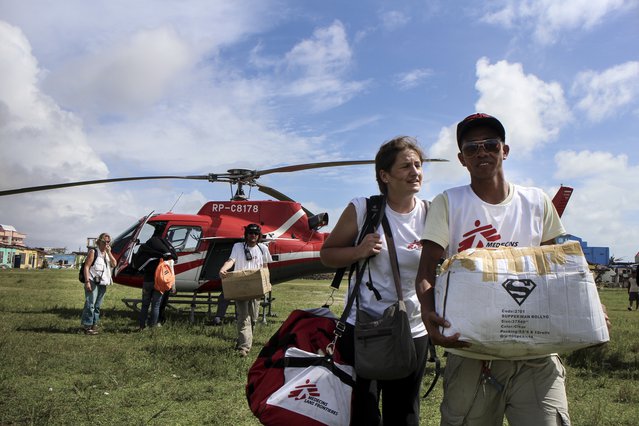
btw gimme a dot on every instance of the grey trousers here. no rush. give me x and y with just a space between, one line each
533 393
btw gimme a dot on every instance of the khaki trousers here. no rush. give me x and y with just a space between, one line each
533 393
247 311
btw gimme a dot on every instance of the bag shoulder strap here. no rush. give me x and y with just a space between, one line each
95 255
375 205
392 253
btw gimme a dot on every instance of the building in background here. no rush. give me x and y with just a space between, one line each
61 261
15 254
9 236
594 255
28 258
7 253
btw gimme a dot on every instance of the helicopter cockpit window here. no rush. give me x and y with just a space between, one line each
118 244
184 238
145 233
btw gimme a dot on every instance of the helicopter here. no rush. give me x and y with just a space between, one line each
203 241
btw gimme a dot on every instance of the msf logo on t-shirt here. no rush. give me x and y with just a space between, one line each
304 391
480 236
415 245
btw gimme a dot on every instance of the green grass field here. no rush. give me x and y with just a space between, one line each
183 373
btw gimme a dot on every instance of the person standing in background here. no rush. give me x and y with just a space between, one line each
249 254
97 271
633 290
147 259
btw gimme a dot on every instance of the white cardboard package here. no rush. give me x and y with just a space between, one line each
515 303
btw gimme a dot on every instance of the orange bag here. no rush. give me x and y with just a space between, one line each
164 277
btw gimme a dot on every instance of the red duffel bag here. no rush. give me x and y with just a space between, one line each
295 379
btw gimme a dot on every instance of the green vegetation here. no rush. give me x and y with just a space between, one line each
184 373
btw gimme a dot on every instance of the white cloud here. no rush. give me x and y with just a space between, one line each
411 79
125 77
393 20
451 173
587 164
605 203
63 30
603 94
318 66
215 118
532 110
549 18
40 141
42 144
357 124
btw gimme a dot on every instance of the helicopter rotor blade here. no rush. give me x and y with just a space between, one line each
94 182
235 176
309 166
279 196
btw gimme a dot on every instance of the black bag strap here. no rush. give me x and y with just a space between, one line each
340 327
431 356
375 205
325 361
95 255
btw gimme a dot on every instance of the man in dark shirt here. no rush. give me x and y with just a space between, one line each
147 259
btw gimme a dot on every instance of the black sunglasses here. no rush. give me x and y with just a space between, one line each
252 233
471 149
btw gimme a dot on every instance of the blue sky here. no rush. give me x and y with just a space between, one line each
103 89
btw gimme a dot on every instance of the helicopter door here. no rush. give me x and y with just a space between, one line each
218 253
127 253
185 239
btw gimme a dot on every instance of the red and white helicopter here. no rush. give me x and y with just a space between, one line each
204 240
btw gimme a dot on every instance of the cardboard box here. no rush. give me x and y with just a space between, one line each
247 284
520 302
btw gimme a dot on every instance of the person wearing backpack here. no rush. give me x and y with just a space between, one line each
399 174
147 260
249 254
97 274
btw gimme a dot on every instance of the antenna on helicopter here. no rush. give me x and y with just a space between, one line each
176 201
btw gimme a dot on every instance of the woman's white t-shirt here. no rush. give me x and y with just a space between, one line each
407 229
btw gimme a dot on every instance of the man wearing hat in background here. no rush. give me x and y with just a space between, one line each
480 391
249 254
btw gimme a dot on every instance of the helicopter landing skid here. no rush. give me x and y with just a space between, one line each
200 299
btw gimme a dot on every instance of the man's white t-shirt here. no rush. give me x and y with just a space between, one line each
458 219
260 256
